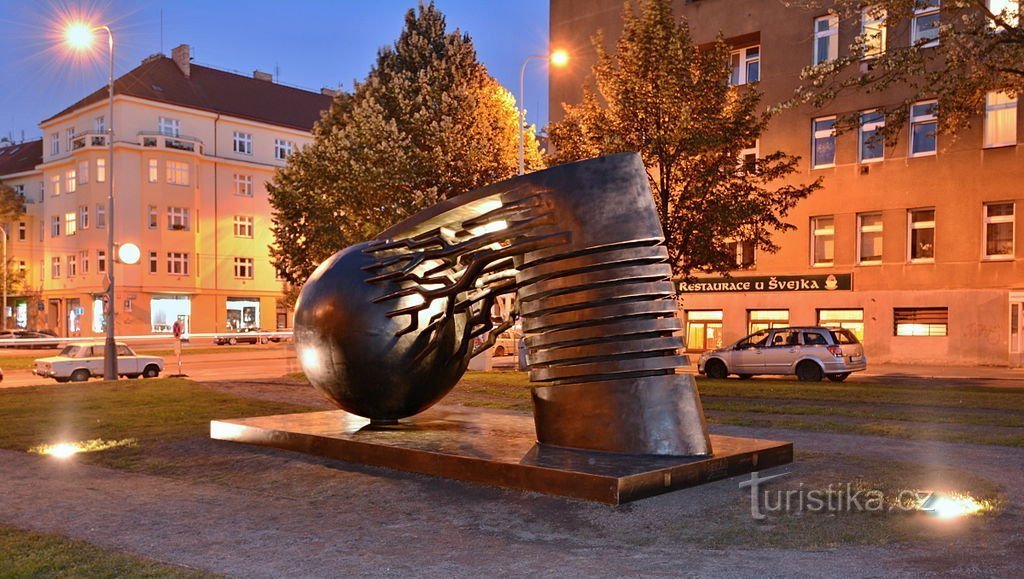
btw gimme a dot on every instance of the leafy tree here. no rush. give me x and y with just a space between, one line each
977 48
12 206
669 100
426 124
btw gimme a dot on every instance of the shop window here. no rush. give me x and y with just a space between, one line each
999 230
703 330
823 235
852 320
243 313
164 311
758 320
921 232
869 248
920 321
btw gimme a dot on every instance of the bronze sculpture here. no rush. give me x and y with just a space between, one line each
385 328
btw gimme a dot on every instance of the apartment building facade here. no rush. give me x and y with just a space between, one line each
913 246
193 150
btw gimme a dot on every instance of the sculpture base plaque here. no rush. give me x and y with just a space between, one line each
500 449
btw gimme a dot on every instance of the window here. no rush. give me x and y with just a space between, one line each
169 127
83 217
83 257
22 231
869 245
55 185
785 339
243 267
152 262
154 171
872 144
758 320
177 218
177 263
55 267
69 135
852 320
101 216
55 226
243 185
72 266
748 156
241 143
922 234
999 218
101 170
745 65
71 179
703 330
744 252
826 38
823 234
1011 16
824 154
101 261
925 28
70 223
920 321
177 173
154 217
99 125
243 226
83 172
55 144
282 149
923 125
872 31
1000 119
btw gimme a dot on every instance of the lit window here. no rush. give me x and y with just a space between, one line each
823 234
55 226
243 185
999 222
243 226
154 171
826 38
745 65
241 143
852 320
55 144
243 267
923 128
152 262
71 179
925 27
55 267
154 217
55 185
169 127
872 144
922 235
920 321
758 320
869 248
101 170
824 154
83 172
282 149
872 31
703 330
1000 119
177 218
177 173
70 224
101 216
177 263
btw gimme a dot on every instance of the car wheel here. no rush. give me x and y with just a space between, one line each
808 371
746 376
80 375
61 380
264 340
839 377
716 370
232 341
151 371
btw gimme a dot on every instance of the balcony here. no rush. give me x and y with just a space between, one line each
88 139
175 143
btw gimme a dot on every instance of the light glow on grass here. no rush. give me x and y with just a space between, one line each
951 506
63 450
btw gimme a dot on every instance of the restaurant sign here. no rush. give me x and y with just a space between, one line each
773 283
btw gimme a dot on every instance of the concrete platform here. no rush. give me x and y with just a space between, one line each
500 449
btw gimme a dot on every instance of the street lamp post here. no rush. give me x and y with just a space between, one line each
557 58
79 36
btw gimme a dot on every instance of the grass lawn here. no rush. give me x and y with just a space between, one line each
29 554
954 414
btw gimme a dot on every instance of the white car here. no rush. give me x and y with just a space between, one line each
78 362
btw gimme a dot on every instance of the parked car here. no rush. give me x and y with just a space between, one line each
39 339
244 336
78 362
810 353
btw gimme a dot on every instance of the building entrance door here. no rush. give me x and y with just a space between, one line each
1016 356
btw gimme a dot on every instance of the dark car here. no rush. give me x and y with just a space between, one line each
244 336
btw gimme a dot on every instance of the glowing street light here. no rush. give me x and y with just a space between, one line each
79 36
558 58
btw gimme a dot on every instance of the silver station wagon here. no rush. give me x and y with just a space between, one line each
809 353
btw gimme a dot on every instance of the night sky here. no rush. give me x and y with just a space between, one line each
309 43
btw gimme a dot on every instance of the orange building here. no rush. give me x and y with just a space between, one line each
912 247
193 149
